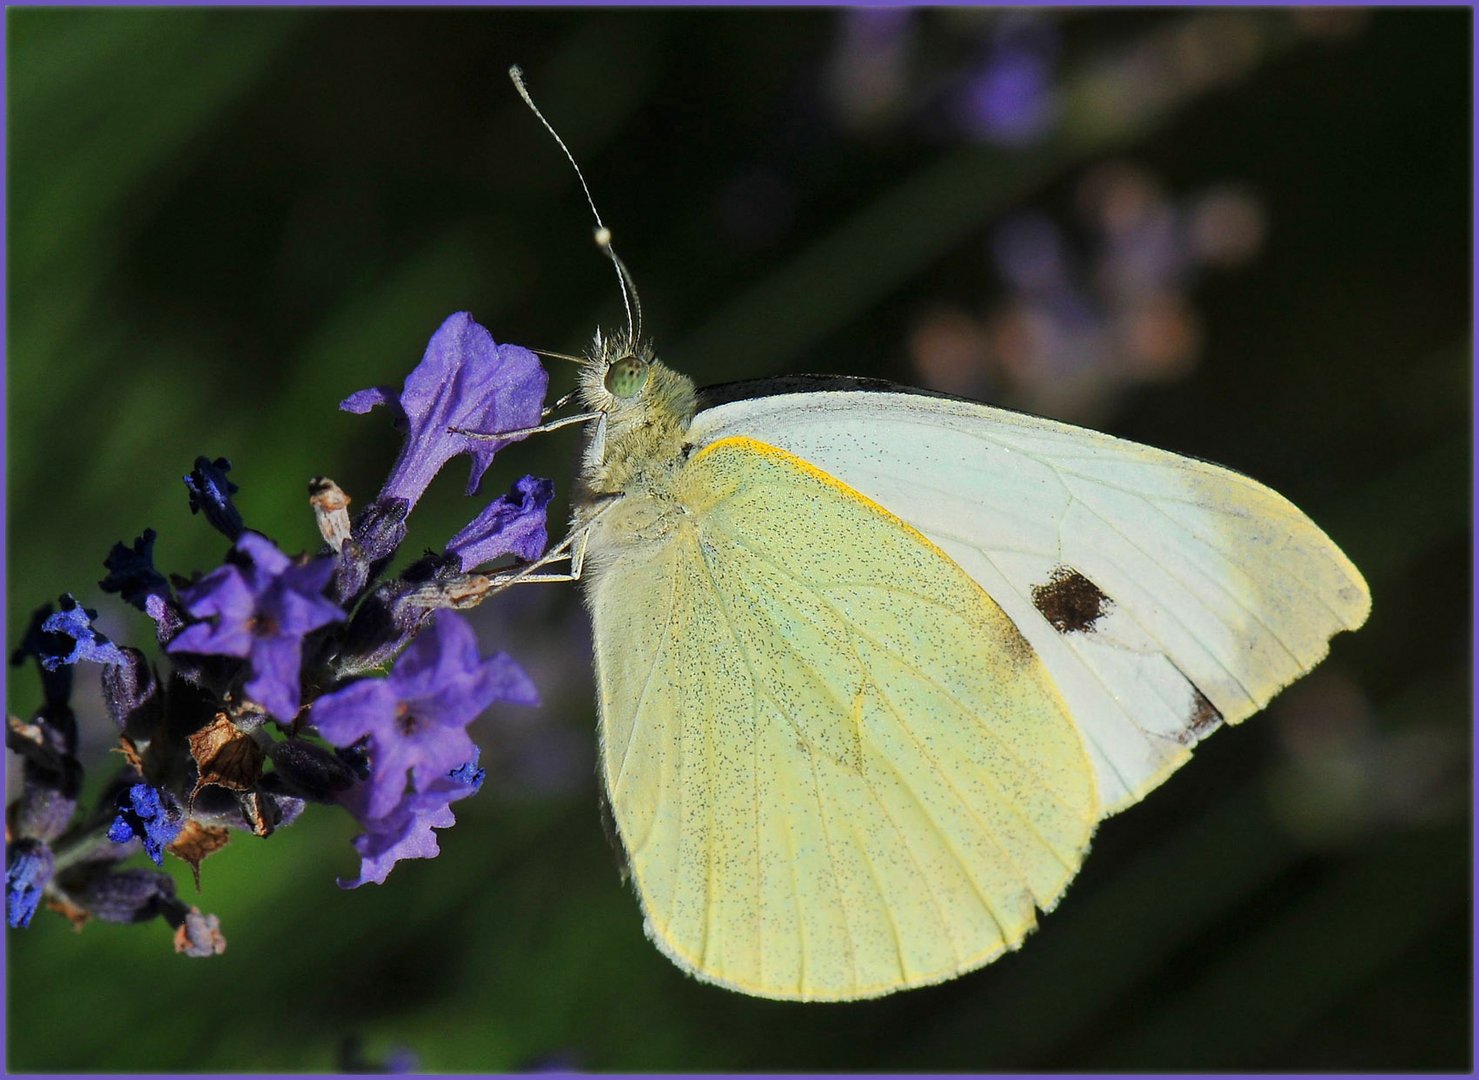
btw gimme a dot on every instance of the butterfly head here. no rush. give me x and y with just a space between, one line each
644 406
619 375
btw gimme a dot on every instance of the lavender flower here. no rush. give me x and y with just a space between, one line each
74 623
132 575
27 871
153 816
1012 99
210 494
512 524
194 747
415 719
262 613
406 832
467 381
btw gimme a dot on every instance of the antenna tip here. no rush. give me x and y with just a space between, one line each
603 236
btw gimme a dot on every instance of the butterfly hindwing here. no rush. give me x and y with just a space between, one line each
838 768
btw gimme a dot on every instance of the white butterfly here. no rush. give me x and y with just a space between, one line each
873 663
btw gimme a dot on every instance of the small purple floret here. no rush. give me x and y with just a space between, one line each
131 574
74 623
415 719
26 877
261 613
406 832
210 494
511 524
150 814
464 380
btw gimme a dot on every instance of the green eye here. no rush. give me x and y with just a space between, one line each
625 377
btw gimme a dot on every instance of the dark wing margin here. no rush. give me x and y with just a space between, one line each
710 397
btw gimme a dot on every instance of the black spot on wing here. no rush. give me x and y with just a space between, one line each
1204 717
1070 602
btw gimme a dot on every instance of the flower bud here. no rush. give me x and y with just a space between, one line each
309 770
119 896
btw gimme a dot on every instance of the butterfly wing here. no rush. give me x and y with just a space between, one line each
837 768
1164 594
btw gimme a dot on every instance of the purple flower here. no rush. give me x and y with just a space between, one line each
1030 252
1012 100
36 643
150 814
132 575
210 494
406 832
26 875
262 613
74 623
415 719
465 380
511 524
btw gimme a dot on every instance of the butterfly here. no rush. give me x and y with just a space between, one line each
872 663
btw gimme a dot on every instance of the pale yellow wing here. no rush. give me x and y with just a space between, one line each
1166 595
837 767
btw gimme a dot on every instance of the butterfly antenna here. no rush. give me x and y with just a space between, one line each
603 234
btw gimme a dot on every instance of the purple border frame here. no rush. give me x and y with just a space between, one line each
1474 392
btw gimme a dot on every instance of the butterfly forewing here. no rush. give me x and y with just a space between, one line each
1163 594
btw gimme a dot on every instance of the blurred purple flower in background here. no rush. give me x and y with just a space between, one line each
1083 317
866 75
1012 97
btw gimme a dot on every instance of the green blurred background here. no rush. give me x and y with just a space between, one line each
222 222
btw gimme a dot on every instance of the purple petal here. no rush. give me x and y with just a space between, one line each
406 833
224 594
264 554
511 524
295 614
310 577
442 655
26 875
464 380
210 494
132 575
74 622
276 662
362 401
349 714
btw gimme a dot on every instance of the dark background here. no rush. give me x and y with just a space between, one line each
223 222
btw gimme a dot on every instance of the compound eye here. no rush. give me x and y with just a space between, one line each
624 378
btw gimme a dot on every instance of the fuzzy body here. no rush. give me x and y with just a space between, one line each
635 455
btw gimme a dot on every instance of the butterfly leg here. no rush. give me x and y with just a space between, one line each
576 542
519 433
